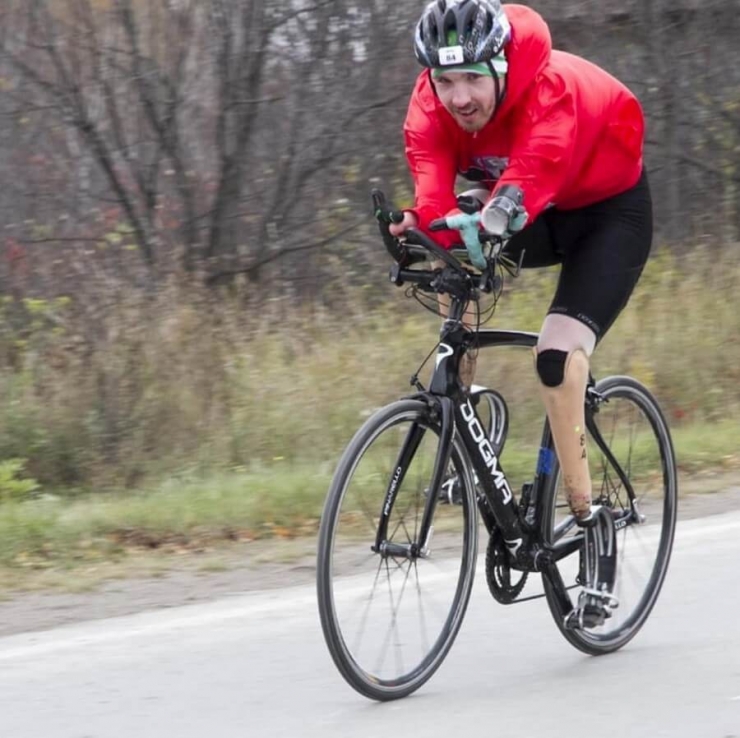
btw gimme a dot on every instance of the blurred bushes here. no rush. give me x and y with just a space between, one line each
180 381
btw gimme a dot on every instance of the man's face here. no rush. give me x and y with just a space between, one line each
469 98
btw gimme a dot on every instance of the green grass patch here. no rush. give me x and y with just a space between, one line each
279 502
703 446
178 515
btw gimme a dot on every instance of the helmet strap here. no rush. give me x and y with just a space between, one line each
500 88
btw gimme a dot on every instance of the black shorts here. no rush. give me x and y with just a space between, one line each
602 248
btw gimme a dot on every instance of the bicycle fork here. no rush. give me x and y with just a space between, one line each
443 407
500 512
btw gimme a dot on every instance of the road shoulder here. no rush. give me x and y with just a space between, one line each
242 568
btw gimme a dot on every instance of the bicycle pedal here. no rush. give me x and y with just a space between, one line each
585 618
599 598
591 613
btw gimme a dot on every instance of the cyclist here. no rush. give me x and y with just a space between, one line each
554 145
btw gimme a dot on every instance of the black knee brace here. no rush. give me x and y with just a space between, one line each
551 367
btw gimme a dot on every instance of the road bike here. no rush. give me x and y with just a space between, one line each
398 540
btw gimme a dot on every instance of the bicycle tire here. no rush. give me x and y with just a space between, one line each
495 417
385 423
641 466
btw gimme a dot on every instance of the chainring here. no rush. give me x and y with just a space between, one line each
498 571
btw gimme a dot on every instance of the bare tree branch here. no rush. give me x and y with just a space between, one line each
282 253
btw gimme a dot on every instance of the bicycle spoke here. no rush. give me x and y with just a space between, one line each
393 627
642 473
422 618
369 602
387 623
402 524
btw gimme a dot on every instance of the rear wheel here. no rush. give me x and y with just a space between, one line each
390 618
633 428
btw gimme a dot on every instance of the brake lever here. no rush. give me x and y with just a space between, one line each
514 268
498 246
385 216
415 237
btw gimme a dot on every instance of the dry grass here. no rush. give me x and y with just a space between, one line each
245 422
194 386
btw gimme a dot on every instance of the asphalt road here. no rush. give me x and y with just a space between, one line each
256 665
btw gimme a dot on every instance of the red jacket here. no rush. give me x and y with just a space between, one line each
568 134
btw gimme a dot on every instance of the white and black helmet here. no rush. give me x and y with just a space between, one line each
461 32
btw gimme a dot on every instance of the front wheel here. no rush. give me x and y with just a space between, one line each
389 618
633 428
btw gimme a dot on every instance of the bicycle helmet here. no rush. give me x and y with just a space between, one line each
453 32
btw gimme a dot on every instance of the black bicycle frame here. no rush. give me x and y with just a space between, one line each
452 411
501 510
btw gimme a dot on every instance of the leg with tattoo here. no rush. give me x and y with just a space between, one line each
562 364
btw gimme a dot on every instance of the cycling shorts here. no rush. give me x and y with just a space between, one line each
602 249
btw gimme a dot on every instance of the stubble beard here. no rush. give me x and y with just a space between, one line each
474 124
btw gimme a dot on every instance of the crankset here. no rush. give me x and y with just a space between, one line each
499 572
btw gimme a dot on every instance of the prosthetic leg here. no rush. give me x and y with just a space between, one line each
563 378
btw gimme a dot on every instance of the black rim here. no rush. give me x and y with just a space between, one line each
627 401
403 580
